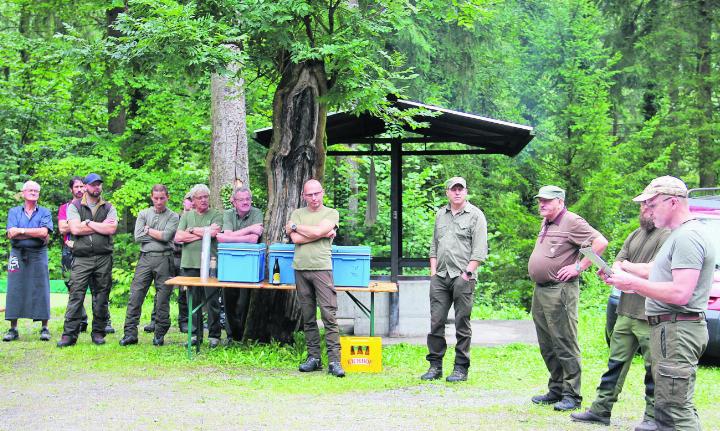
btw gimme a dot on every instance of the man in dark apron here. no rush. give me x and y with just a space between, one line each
28 293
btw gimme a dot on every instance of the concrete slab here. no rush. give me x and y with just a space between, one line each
486 333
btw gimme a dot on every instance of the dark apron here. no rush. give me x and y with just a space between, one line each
28 284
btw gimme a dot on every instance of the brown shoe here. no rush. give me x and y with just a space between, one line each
98 339
66 341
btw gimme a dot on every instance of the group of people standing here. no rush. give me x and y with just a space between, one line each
665 270
170 244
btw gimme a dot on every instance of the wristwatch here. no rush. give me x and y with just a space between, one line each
22 231
577 267
468 274
87 222
293 227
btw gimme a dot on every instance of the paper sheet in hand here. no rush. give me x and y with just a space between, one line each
597 260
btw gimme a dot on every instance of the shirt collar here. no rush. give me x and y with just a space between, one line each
462 210
558 218
245 216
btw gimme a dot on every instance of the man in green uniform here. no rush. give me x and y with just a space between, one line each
154 229
242 223
554 267
677 291
631 328
92 222
193 225
312 229
458 246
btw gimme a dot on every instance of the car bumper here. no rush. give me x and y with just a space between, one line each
713 324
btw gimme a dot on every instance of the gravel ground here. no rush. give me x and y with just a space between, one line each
92 401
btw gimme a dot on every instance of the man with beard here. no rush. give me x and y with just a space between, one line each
93 222
193 224
77 189
631 328
154 229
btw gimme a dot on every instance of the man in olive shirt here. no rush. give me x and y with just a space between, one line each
241 224
312 229
631 328
458 246
193 225
677 291
554 267
154 229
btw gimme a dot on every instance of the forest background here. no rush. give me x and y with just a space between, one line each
618 92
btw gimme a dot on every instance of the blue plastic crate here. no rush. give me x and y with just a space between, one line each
351 265
241 262
283 253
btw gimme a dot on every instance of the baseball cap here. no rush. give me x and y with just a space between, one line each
455 180
665 185
551 192
91 178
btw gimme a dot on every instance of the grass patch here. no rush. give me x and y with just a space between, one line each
496 396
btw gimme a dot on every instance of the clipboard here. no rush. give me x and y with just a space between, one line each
597 260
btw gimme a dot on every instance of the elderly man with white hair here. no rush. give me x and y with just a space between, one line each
28 288
193 225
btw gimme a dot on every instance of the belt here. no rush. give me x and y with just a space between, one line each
548 284
156 253
674 317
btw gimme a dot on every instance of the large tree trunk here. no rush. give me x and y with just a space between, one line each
297 153
707 146
117 115
229 149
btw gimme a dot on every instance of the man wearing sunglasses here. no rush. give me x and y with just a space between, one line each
677 290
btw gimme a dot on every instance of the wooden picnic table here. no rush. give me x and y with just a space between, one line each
191 282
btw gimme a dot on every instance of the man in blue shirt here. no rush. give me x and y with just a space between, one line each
28 292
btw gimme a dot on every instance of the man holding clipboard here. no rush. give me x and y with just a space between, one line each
632 330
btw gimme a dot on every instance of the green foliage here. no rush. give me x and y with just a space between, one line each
615 91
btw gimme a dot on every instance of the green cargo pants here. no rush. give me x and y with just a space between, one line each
95 271
676 348
445 292
151 267
628 335
555 314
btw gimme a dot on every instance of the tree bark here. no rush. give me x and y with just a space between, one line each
229 148
707 147
117 115
296 154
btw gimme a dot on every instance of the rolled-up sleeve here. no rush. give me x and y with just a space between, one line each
46 220
480 245
12 219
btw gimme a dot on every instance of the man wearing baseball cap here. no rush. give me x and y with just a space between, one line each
555 268
677 291
458 246
92 222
